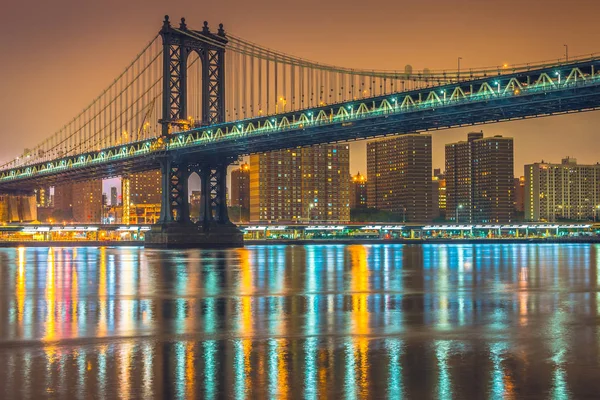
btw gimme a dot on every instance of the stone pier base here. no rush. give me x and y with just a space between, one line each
178 236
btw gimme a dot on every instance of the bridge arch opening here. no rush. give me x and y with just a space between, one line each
194 89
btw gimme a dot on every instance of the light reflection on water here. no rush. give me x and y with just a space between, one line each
432 321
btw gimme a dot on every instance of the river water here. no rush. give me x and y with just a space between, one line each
451 321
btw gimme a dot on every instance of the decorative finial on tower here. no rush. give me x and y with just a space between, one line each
166 23
205 28
221 30
182 25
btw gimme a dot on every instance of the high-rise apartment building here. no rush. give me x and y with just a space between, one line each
87 201
479 179
565 191
399 171
113 196
358 191
438 194
519 194
493 180
459 179
144 188
240 187
63 201
302 184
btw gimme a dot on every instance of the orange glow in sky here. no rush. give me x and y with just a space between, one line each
59 55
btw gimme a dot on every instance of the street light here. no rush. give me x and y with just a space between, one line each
566 51
458 71
458 207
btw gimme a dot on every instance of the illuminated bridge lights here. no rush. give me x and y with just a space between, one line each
416 100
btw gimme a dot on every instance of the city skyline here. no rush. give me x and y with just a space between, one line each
101 28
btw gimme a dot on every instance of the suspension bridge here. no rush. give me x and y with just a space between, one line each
194 101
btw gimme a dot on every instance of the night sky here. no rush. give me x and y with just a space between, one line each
58 55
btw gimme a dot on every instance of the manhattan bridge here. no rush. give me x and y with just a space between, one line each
195 100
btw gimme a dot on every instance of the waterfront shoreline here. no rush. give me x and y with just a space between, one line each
252 242
280 242
93 243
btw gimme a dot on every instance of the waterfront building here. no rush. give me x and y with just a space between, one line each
301 184
145 187
479 179
565 191
140 214
519 194
87 201
358 191
240 191
113 196
438 194
63 202
399 171
142 188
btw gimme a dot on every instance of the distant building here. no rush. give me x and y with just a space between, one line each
358 191
240 190
519 194
479 179
494 180
63 202
113 196
399 171
565 191
195 198
438 194
144 188
87 204
302 184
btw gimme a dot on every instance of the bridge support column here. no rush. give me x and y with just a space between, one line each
175 229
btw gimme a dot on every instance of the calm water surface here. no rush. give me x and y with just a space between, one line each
415 322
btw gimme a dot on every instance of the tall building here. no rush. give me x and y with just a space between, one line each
399 171
63 202
113 197
519 194
145 187
142 188
358 191
459 179
302 184
565 191
479 179
493 180
240 187
87 204
438 194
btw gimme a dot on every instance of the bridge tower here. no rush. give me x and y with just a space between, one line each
175 228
